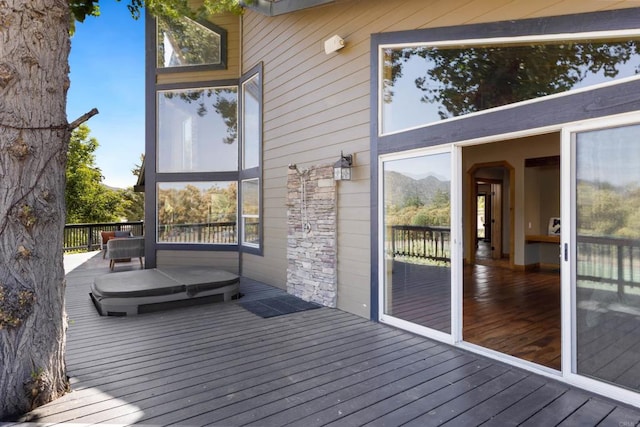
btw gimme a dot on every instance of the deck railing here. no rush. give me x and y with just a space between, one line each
609 260
86 237
427 242
207 232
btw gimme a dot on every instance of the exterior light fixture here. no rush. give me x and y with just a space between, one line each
342 168
333 44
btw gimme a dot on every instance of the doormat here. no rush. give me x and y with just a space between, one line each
277 306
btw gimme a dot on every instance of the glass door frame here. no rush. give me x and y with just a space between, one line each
455 336
568 255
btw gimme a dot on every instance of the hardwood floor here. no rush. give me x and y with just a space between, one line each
516 313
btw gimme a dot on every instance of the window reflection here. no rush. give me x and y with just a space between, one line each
251 212
197 212
607 255
417 218
184 42
422 85
198 130
251 122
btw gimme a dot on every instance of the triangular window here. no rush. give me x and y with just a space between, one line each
183 42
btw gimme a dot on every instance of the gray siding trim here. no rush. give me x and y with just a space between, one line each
620 19
615 99
196 176
150 146
198 84
600 102
256 172
196 247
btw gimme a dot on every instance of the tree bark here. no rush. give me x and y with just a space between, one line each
34 134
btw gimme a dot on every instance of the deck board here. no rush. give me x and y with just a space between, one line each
218 364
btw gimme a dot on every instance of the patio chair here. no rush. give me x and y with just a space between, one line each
122 249
108 235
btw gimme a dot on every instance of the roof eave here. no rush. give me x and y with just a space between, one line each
281 7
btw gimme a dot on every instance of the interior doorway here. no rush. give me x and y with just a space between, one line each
491 226
511 300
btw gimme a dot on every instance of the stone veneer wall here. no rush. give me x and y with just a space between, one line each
311 246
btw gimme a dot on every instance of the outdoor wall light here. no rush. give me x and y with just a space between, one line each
342 168
333 44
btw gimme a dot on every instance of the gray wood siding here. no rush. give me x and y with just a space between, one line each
228 261
316 105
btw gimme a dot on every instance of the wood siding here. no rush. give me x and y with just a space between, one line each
316 105
228 261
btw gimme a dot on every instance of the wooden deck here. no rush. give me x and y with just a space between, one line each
220 365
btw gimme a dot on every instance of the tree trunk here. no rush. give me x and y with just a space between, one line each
34 49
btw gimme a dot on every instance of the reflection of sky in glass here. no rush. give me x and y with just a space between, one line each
202 47
609 156
251 123
403 108
191 134
437 165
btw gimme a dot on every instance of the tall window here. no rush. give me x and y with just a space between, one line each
198 130
251 158
197 166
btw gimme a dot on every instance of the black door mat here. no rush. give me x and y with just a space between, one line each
277 306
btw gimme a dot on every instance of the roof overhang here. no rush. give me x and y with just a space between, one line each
281 7
139 186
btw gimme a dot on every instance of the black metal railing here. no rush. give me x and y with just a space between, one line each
86 237
207 232
427 242
252 233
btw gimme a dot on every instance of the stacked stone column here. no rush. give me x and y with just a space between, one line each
311 246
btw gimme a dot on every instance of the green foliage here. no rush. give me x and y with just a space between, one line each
80 9
605 210
132 204
436 212
87 199
471 79
192 205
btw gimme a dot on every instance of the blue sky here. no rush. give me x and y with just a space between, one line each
107 72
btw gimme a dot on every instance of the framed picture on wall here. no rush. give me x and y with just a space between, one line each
554 226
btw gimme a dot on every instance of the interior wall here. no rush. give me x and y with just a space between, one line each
514 152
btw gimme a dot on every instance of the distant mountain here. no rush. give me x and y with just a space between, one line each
108 187
400 188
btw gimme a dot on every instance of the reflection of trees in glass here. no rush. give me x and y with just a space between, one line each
183 41
250 197
606 210
466 80
424 202
193 205
224 102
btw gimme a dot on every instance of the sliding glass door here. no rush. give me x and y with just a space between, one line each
605 252
416 271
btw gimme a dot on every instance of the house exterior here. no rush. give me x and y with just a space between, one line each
465 122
